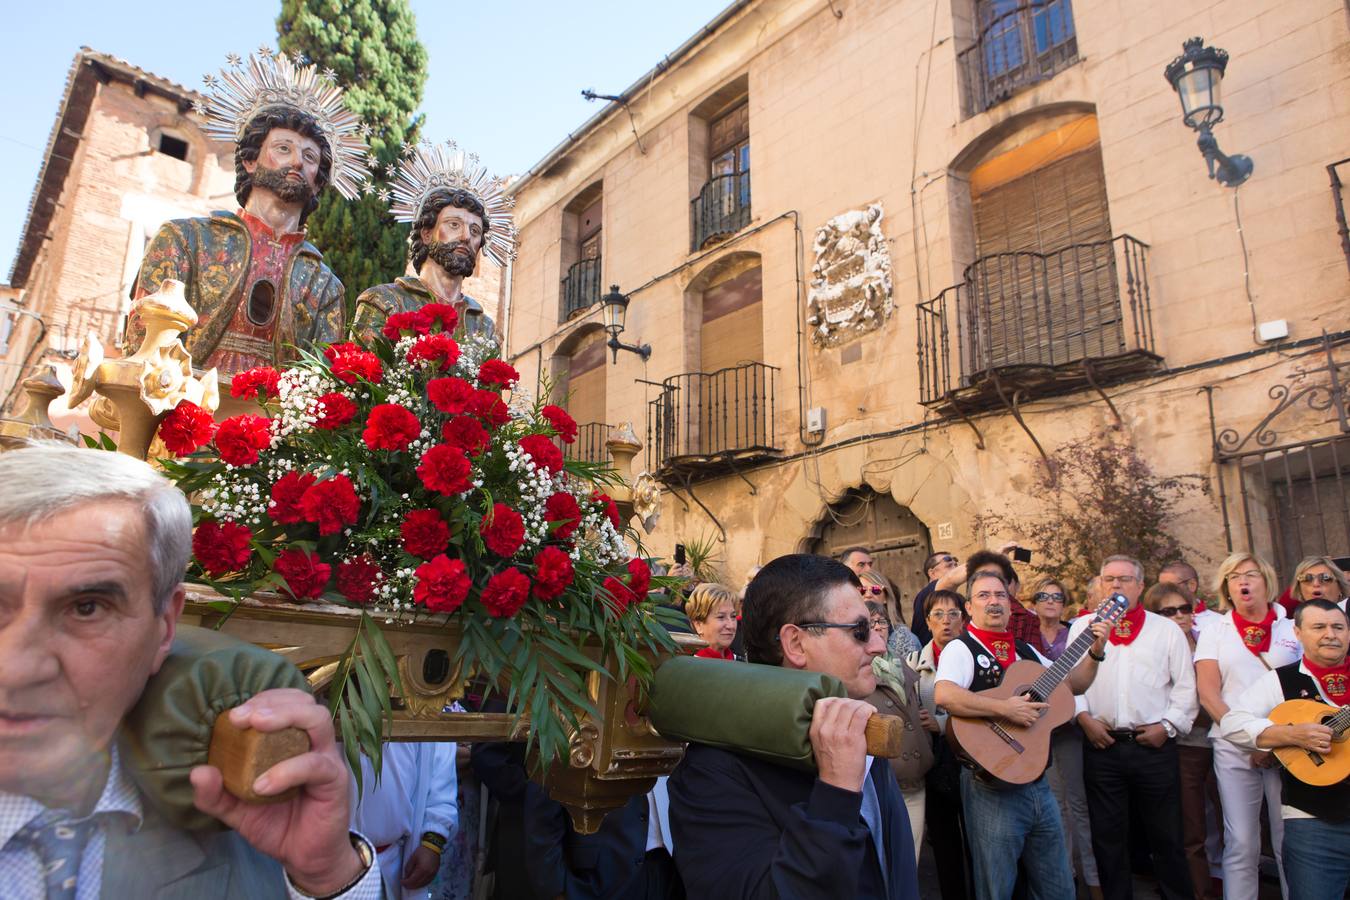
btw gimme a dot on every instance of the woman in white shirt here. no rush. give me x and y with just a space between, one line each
1232 653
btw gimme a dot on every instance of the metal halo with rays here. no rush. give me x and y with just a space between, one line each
267 79
427 168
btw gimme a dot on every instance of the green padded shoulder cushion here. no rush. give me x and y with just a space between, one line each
761 711
168 731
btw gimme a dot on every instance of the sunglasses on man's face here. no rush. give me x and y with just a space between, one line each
861 630
1172 612
873 590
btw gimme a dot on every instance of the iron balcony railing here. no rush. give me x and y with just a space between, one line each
704 417
1026 44
590 445
721 208
581 287
1086 302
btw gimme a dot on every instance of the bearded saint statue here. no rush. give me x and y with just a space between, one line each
258 287
457 212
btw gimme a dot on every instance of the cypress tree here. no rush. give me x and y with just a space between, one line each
372 46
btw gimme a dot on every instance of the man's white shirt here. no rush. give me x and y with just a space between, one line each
957 664
1151 679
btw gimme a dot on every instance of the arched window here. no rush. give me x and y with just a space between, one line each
583 220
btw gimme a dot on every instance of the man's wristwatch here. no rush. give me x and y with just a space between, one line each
367 854
1169 728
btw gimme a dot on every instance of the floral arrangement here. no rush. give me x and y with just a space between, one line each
416 479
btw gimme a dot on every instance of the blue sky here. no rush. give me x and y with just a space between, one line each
504 80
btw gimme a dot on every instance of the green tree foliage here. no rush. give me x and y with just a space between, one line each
1099 497
372 46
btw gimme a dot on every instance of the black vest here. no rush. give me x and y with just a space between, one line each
1331 803
991 675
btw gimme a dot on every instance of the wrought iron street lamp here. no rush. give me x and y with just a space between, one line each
614 306
1196 75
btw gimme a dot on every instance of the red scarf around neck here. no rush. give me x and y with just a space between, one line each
999 643
1129 626
1255 635
1335 680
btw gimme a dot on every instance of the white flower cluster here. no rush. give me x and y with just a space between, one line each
599 540
473 349
229 500
298 392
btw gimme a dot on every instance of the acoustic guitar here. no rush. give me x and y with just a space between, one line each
1305 765
1012 753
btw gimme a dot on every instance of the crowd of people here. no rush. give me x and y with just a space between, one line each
1163 762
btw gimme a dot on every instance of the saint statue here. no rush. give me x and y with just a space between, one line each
457 211
258 287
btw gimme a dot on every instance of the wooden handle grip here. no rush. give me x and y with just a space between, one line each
242 754
884 734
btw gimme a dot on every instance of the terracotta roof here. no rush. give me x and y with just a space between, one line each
89 70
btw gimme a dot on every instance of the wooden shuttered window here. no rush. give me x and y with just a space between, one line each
1043 288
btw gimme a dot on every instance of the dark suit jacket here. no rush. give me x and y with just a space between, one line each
745 828
601 866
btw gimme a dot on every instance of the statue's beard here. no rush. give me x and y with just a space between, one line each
287 191
458 264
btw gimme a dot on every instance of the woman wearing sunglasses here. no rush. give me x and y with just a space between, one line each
901 642
1318 577
1195 754
1232 653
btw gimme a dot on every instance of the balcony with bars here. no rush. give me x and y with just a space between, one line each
581 288
590 445
708 423
1027 325
721 209
1019 44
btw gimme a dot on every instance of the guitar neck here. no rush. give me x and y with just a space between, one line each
1045 685
1340 722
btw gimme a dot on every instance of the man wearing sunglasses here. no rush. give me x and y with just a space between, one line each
945 573
747 827
1006 822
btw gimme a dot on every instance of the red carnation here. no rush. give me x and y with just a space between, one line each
605 501
425 533
618 595
450 395
562 423
466 433
286 496
445 470
333 411
414 322
348 362
562 512
391 427
331 504
552 572
503 530
240 438
222 547
442 584
496 372
248 385
305 573
439 348
187 428
356 578
505 593
543 451
489 407
639 576
442 314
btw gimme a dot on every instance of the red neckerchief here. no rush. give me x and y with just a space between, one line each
1199 605
710 653
999 643
937 654
1129 626
1335 680
1255 635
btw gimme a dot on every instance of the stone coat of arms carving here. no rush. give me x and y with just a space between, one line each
850 291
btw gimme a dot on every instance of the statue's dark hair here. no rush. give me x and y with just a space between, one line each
250 145
431 210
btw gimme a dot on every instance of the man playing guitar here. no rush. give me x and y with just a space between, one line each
1316 819
1006 822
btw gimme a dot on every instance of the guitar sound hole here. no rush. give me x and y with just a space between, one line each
261 302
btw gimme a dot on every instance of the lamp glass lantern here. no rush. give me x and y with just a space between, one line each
1196 76
614 306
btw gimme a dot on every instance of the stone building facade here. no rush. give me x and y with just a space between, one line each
126 153
888 254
